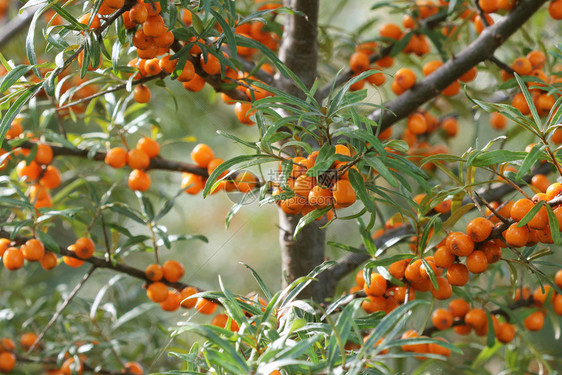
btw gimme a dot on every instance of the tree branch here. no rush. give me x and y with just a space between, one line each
479 50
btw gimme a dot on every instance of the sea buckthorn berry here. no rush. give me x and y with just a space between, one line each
522 66
398 268
524 292
153 272
202 155
133 368
377 287
138 159
462 330
442 319
458 308
520 208
535 321
417 123
116 157
443 290
192 183
245 182
173 271
33 250
412 272
141 94
540 181
558 279
458 274
7 362
157 292
431 66
29 171
417 348
320 197
520 103
149 146
479 229
211 65
85 20
492 250
477 262
479 24
138 13
84 248
540 296
476 318
4 244
390 30
139 180
443 257
204 306
553 190
12 258
424 271
461 245
44 154
69 367
515 236
373 304
185 294
557 304
470 75
439 349
28 339
359 62
405 78
172 302
343 193
49 261
450 126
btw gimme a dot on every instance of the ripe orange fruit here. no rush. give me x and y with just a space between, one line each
359 62
492 250
157 291
204 306
488 6
541 182
470 75
405 78
149 146
390 30
44 154
553 190
84 248
70 368
479 229
138 159
479 24
451 126
431 66
439 349
133 368
377 286
172 302
202 155
167 65
522 66
28 339
557 304
442 319
196 84
498 121
372 304
535 321
443 257
29 171
457 274
138 13
555 9
7 362
49 261
212 65
141 94
320 197
343 193
165 40
192 183
417 123
243 112
71 261
558 279
476 318
452 90
540 297
185 293
12 258
245 182
33 250
116 157
477 262
139 180
458 308
417 348
154 25
516 237
85 20
506 332
153 272
172 271
460 244
444 289
396 269
520 103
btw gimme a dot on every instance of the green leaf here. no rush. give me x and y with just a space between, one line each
48 241
13 111
126 211
347 247
260 282
486 159
531 214
356 180
13 76
554 226
530 103
530 160
491 337
377 164
309 218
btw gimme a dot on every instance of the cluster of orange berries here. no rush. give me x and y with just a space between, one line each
38 172
138 159
312 193
33 250
204 157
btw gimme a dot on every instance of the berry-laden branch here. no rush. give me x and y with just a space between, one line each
53 362
350 262
155 163
481 49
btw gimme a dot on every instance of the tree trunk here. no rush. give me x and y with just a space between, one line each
299 52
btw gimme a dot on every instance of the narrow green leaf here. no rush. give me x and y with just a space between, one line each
356 180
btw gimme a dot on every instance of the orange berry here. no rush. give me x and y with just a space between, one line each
557 304
439 349
457 274
157 292
138 159
470 75
372 304
116 157
28 339
84 247
417 123
153 272
451 126
390 30
417 348
85 20
149 146
186 293
558 279
72 261
498 121
431 66
476 318
138 13
49 261
202 155
541 182
506 332
458 308
192 183
33 250
460 244
29 171
520 103
204 306
492 250
535 321
553 190
442 319
479 24
212 66
377 286
70 368
405 78
141 94
139 180
522 66
397 269
488 6
44 154
7 362
245 182
359 62
173 271
479 229
167 65
12 258
320 197
444 289
172 302
133 368
443 257
477 262
515 236
540 296
343 193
